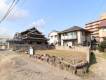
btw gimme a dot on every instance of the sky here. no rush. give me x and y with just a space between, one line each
49 15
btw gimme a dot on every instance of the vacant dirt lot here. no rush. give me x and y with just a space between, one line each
99 68
66 54
15 66
20 67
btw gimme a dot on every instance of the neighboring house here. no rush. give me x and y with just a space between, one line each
74 36
97 28
53 38
93 33
30 37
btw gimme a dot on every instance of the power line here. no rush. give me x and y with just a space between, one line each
13 4
8 11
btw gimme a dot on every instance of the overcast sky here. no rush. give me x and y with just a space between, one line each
49 15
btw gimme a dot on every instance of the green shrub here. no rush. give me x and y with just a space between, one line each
102 46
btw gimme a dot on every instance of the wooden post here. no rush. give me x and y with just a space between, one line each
88 55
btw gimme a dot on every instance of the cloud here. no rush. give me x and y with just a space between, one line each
16 13
39 24
3 30
5 33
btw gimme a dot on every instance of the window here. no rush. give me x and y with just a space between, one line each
75 33
72 33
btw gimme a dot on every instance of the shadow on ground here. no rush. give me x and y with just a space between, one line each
92 60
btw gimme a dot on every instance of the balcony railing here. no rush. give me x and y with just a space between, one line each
69 37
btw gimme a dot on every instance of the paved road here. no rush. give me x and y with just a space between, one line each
20 67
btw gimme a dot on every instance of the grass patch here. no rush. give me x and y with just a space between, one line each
66 54
61 53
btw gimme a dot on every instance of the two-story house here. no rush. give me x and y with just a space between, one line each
74 36
32 37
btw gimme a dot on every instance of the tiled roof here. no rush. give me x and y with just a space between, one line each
74 28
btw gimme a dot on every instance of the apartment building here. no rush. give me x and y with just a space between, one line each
102 31
97 28
74 36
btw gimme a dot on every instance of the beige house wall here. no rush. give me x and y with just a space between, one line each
102 33
79 37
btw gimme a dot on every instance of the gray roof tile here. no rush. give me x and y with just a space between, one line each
74 28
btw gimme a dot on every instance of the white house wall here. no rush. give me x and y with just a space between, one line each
53 37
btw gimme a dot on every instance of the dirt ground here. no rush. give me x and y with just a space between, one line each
15 66
68 55
99 68
20 67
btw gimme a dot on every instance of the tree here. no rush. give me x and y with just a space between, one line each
102 45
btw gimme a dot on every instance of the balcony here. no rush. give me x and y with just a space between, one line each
68 37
